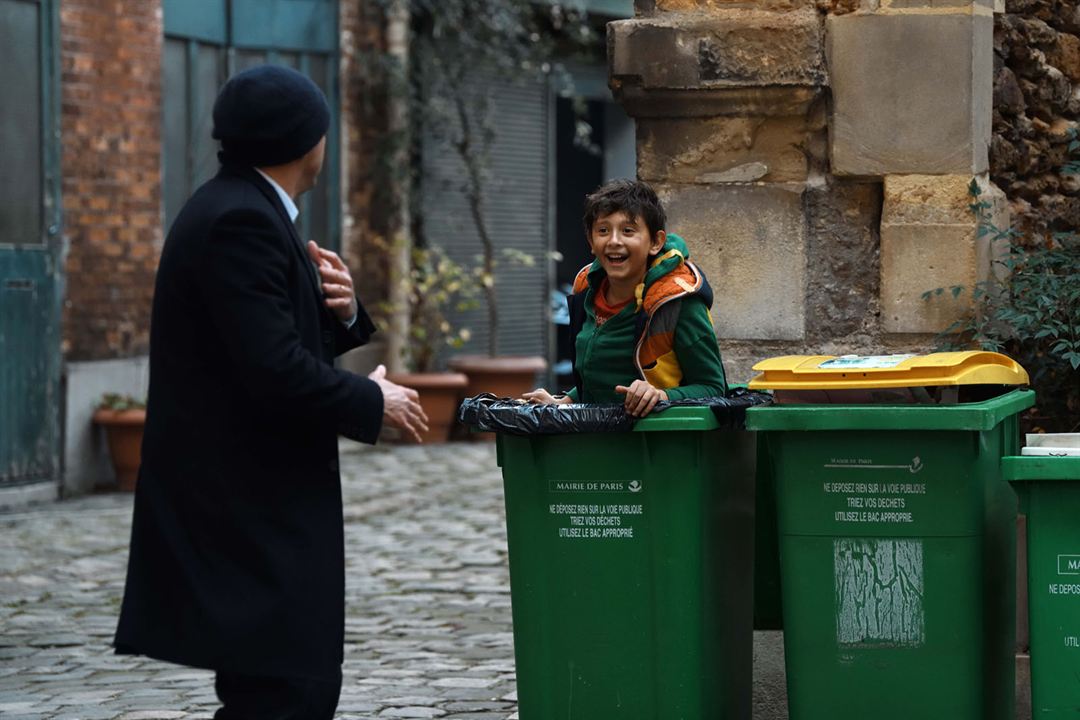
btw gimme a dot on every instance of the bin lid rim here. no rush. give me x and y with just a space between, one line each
831 372
983 415
678 418
1040 468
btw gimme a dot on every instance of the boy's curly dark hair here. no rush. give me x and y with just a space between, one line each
633 197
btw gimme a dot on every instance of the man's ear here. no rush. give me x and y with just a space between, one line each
657 243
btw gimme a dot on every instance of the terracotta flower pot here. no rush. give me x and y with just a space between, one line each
124 433
505 377
508 376
440 395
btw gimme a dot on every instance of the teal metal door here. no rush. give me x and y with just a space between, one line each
207 41
29 240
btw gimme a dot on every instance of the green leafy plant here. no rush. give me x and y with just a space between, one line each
1030 310
119 402
458 50
435 286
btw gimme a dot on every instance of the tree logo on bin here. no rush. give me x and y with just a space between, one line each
916 465
635 486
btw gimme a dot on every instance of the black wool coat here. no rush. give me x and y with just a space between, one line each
237 548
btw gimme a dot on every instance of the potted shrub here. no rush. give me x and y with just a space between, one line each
517 41
123 418
434 286
502 375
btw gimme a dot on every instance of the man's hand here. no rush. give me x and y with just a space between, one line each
641 397
337 282
401 408
540 396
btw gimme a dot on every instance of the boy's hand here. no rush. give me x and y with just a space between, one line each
540 396
641 397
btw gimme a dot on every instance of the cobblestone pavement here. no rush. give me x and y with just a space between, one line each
428 618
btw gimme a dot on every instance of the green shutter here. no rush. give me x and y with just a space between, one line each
196 19
30 280
206 40
285 24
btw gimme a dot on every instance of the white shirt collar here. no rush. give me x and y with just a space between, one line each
290 206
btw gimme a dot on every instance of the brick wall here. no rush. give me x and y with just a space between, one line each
111 165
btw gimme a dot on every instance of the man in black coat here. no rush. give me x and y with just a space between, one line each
237 549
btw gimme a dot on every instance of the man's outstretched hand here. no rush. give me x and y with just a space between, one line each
337 282
401 407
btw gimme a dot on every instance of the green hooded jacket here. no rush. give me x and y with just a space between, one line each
665 337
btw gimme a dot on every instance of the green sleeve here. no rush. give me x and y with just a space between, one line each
698 353
572 392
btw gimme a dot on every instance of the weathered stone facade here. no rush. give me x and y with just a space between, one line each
819 159
111 165
1036 107
817 155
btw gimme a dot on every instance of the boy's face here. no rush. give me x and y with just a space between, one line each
623 244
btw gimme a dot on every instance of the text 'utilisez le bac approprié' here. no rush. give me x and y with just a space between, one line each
874 502
599 522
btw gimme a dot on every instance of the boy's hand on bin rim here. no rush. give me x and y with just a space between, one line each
401 406
540 396
641 397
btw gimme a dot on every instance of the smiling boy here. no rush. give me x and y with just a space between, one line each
639 314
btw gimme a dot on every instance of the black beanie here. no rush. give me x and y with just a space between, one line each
269 115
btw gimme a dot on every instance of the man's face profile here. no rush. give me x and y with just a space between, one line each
312 164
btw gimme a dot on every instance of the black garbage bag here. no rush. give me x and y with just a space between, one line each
730 410
517 417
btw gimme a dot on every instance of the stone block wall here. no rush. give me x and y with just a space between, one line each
910 92
817 156
1036 106
111 166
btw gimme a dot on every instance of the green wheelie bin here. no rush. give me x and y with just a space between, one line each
1049 489
631 564
897 532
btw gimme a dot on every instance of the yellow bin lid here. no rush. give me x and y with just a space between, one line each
828 372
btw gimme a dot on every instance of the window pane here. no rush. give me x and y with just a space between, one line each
202 19
285 24
20 125
248 59
174 111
